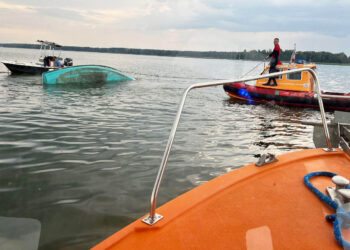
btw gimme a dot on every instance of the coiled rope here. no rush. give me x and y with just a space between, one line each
340 216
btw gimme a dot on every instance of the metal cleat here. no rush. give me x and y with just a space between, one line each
340 181
266 159
340 194
345 193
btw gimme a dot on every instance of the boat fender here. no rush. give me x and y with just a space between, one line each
341 219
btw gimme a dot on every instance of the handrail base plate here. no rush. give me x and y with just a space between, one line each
149 221
329 149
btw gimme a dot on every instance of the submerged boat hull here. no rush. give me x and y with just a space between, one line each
253 208
25 68
86 74
253 94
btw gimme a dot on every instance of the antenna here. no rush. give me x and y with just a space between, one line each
292 58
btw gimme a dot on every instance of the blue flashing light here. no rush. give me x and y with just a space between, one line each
244 93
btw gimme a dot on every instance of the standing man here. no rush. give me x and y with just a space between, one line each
275 60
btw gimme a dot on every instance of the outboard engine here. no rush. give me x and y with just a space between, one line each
68 62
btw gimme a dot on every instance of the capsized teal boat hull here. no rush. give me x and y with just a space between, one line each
87 74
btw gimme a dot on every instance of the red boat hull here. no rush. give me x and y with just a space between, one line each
253 94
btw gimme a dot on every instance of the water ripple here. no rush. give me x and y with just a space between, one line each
83 159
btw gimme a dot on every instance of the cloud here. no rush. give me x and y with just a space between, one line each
323 17
190 24
96 15
18 7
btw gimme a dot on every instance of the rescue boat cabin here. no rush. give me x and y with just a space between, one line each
300 81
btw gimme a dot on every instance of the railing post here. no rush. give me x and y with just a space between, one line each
323 114
153 217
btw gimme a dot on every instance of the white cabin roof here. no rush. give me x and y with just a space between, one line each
49 43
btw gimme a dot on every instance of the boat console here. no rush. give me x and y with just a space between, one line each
301 81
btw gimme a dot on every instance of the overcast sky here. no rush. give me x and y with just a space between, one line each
222 25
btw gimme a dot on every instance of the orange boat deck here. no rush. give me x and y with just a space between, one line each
251 208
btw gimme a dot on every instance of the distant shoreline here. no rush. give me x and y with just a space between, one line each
311 56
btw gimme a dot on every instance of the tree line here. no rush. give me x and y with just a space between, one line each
309 56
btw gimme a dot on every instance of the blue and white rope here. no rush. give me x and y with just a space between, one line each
340 216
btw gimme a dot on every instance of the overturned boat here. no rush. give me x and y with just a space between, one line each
297 89
85 74
47 61
264 205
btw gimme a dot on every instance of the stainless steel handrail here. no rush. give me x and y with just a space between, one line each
335 96
153 217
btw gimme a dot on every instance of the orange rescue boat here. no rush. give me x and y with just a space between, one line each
296 90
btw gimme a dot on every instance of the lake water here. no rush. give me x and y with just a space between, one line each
83 160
